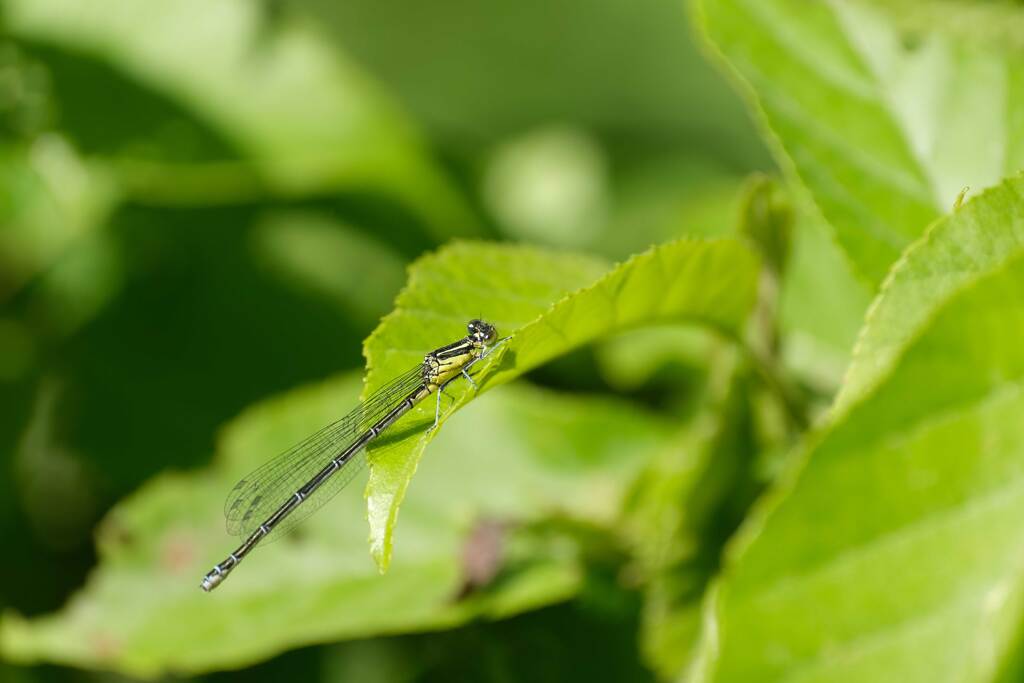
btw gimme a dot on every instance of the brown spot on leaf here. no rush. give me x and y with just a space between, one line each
482 554
105 645
177 554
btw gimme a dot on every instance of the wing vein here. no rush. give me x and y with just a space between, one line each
260 493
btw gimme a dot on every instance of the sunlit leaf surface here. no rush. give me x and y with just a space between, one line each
894 552
550 303
513 459
884 130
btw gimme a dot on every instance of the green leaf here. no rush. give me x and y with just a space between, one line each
296 108
821 306
57 257
550 303
143 614
983 21
955 251
767 219
680 514
884 133
893 552
818 325
52 198
671 355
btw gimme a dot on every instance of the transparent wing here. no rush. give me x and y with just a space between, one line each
258 495
318 498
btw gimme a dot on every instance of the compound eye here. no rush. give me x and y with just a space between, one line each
481 331
477 329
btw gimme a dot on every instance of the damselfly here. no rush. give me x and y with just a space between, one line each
286 490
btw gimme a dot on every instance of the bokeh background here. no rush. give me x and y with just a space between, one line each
206 204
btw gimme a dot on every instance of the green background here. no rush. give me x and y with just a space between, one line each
712 458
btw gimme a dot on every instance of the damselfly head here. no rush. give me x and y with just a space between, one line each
481 332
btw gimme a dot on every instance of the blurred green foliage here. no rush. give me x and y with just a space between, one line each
708 454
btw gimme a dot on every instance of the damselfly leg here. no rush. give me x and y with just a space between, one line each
464 371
